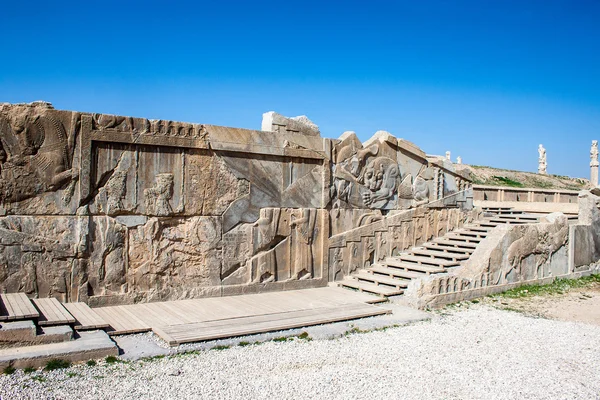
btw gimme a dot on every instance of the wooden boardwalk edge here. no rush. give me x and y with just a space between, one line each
250 327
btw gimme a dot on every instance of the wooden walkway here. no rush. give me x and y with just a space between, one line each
220 317
16 306
85 317
52 312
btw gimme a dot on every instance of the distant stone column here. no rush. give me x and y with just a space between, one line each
594 163
542 163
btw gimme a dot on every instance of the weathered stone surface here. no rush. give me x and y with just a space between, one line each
509 254
108 209
274 122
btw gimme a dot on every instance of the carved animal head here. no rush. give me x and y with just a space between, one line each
373 177
27 130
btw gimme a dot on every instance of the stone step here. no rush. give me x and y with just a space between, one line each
456 243
440 254
521 215
26 333
489 224
498 209
469 234
477 228
381 279
428 269
426 260
370 288
17 331
395 272
509 221
55 334
452 249
89 345
469 238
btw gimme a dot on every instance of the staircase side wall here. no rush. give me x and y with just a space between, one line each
514 255
389 235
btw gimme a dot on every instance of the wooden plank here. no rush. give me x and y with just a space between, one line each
17 306
85 317
52 312
211 330
121 320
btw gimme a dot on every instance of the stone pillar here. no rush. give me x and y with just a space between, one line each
542 163
594 163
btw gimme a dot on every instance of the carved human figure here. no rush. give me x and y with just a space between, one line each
368 252
459 160
338 264
303 226
542 163
116 188
265 231
157 198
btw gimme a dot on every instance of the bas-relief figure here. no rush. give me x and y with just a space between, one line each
37 151
157 197
109 209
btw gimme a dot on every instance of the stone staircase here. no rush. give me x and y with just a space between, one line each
392 276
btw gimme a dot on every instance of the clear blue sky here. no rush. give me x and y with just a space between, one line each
488 80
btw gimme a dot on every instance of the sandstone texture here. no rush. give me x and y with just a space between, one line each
109 209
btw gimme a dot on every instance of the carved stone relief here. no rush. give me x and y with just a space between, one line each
110 209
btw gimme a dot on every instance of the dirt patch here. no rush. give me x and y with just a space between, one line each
580 305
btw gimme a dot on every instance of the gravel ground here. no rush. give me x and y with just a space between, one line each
477 353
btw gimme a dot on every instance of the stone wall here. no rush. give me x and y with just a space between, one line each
108 209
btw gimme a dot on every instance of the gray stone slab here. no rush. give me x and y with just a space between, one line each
90 345
131 221
17 331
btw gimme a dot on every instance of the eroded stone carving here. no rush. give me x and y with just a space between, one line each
36 150
157 198
116 188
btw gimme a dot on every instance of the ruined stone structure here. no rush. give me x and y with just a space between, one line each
594 163
109 210
542 162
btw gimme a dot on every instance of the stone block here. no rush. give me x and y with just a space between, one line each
18 331
90 345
